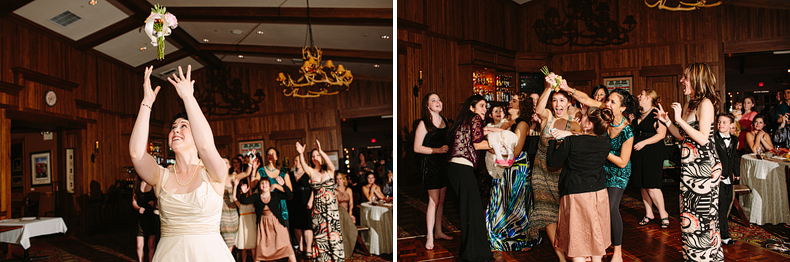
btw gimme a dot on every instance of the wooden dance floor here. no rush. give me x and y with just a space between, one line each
640 243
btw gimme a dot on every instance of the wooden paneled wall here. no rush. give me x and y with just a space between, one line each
664 42
307 119
429 33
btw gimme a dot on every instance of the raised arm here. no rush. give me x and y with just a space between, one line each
201 131
581 96
307 169
144 164
329 165
540 109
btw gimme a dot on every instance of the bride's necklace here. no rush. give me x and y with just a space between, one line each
175 169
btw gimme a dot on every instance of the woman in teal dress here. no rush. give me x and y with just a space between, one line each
511 200
277 175
618 169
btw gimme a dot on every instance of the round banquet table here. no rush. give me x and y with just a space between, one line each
379 219
767 203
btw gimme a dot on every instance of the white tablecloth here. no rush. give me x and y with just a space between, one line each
767 203
31 228
379 220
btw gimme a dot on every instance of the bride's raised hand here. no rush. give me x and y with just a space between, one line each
149 94
184 84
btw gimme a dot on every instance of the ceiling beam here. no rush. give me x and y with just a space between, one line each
109 32
182 38
326 16
9 6
170 58
379 57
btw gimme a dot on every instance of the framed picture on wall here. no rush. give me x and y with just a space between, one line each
41 168
17 181
622 82
248 146
333 155
16 165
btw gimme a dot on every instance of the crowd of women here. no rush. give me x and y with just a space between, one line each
573 158
204 206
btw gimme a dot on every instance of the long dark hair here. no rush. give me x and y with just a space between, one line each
427 118
629 102
465 116
324 167
276 153
525 106
595 89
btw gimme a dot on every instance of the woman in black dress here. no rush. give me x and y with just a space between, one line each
300 207
646 163
144 201
430 141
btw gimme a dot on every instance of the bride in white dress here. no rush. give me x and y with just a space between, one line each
190 191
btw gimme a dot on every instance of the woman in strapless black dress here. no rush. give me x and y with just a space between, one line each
430 141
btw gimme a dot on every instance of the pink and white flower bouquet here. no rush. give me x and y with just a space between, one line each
157 26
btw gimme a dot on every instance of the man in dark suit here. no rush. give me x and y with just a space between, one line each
726 147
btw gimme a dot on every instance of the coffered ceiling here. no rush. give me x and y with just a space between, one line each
355 33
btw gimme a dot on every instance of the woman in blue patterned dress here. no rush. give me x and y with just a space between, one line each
618 169
511 200
700 166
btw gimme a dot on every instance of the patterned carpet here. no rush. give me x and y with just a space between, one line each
754 235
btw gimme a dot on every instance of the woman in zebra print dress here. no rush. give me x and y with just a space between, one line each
701 168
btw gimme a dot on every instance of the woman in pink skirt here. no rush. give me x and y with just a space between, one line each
583 228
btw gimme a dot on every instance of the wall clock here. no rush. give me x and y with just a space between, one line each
51 98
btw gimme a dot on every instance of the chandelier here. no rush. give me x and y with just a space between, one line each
316 79
682 5
586 23
225 96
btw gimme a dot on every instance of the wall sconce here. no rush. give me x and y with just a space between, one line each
95 152
416 89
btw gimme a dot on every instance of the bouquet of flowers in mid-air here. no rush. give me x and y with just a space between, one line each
556 86
157 26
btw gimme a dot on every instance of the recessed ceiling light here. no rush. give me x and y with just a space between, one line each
376 66
241 56
260 32
143 48
385 37
205 40
279 60
92 2
236 31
